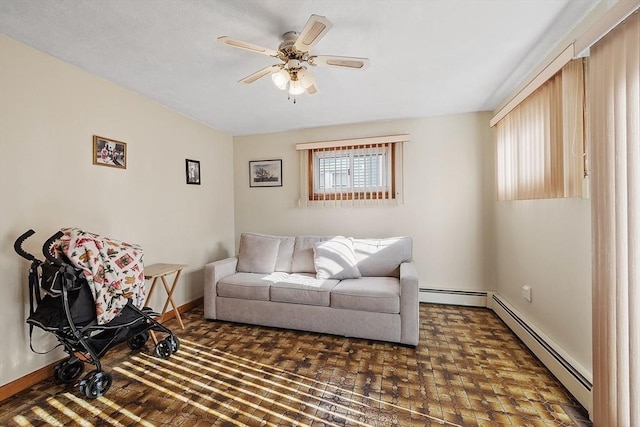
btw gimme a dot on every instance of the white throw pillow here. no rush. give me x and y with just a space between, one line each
335 259
302 260
258 253
382 257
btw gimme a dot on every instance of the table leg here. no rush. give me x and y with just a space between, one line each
170 297
153 286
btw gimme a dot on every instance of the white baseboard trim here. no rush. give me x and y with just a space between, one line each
570 373
453 297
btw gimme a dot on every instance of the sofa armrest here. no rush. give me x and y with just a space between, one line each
409 304
213 272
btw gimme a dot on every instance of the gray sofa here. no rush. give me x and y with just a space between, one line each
364 288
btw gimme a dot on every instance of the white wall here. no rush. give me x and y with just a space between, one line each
49 111
448 195
546 244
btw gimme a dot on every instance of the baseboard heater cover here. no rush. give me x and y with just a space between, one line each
580 387
452 296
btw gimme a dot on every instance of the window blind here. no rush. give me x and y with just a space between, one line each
614 82
540 149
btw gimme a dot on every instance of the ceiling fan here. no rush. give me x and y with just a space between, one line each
293 74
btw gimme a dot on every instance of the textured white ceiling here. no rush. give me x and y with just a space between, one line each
428 57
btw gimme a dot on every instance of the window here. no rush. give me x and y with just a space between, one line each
359 172
351 172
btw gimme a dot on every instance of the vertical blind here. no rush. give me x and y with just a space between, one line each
614 92
540 151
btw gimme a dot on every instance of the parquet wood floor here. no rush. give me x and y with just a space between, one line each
468 370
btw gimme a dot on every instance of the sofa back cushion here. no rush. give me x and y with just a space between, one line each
285 254
258 253
382 257
302 261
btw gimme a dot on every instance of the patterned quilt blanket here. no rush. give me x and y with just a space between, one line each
113 269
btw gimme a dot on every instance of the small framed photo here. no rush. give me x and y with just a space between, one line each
265 173
109 152
193 171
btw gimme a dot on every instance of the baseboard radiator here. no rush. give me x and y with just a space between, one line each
453 297
572 376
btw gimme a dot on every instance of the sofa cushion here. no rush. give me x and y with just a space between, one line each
382 257
335 259
285 254
303 288
258 253
302 261
248 285
377 294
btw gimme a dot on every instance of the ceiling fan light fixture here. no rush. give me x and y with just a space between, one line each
296 87
306 77
281 78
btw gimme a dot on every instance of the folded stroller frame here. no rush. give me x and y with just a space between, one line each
68 311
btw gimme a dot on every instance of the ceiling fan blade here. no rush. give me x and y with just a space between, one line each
339 61
247 46
259 74
315 29
313 89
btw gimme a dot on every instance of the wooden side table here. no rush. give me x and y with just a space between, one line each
161 271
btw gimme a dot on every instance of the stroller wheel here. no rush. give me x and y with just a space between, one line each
67 372
174 343
138 341
163 349
95 384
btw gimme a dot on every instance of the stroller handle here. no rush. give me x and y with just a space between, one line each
46 248
17 246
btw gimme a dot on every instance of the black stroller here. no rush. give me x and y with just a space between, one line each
68 311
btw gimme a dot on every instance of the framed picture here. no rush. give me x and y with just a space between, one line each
265 173
109 152
193 171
